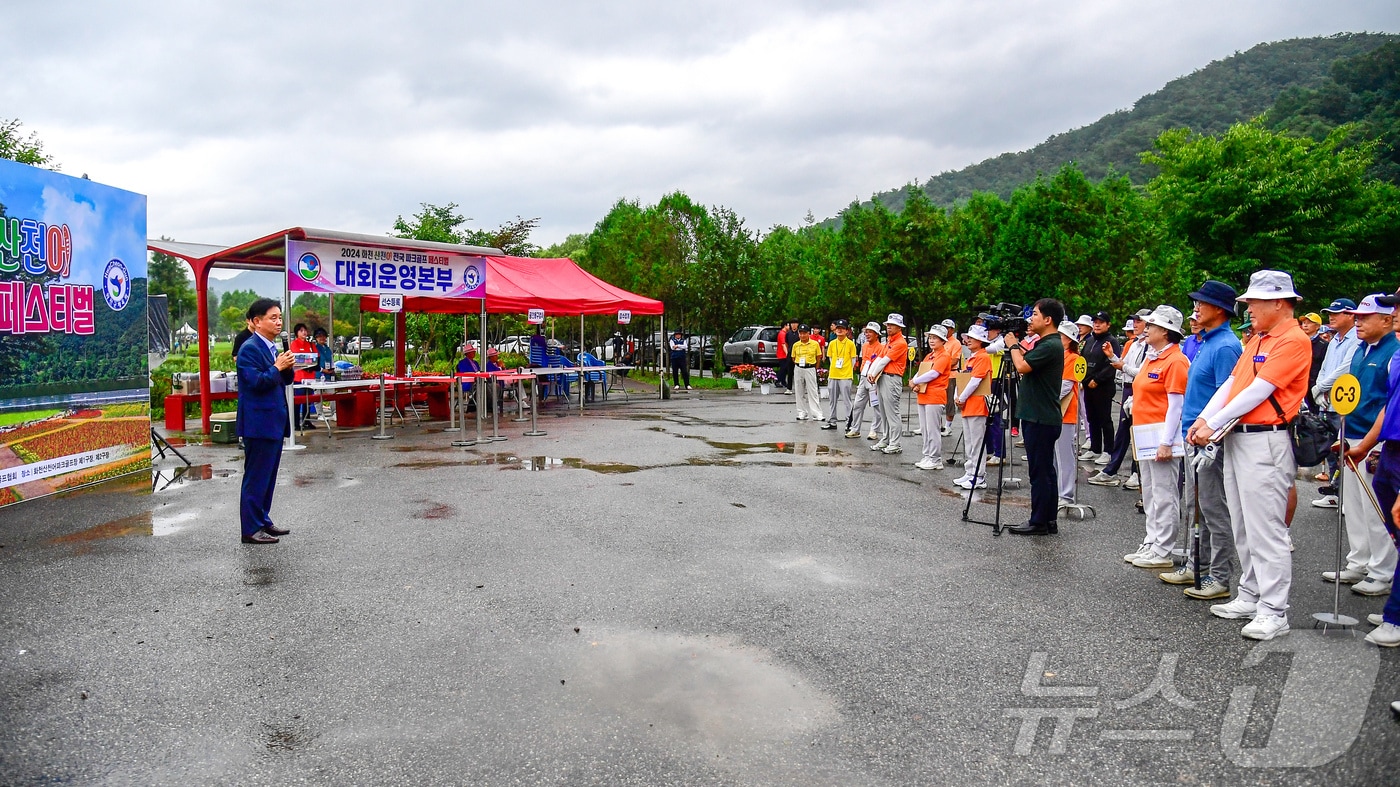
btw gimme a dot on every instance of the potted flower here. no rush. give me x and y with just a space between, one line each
744 374
765 377
822 375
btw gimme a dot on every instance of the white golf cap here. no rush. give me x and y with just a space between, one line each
873 326
1085 320
895 319
978 332
1269 285
1165 317
949 324
1370 306
1070 330
1130 325
937 330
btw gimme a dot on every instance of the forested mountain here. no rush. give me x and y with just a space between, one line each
1208 101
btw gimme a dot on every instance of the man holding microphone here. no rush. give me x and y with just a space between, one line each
263 375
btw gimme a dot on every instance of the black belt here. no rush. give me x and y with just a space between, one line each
1256 428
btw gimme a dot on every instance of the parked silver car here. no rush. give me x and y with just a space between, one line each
756 344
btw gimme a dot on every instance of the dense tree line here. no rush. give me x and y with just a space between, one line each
1273 78
1221 207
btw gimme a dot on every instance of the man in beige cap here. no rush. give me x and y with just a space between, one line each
1256 404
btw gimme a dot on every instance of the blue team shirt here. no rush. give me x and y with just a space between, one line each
1390 427
1371 365
1190 346
1215 359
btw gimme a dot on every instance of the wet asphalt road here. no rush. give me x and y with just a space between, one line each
699 591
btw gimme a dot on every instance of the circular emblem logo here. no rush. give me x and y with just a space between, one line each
116 285
309 267
472 277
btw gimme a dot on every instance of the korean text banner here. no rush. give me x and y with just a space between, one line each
74 384
369 270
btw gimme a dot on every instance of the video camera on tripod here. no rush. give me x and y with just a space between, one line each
1005 317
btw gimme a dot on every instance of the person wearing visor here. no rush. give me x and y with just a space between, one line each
866 393
1159 390
1371 559
1262 396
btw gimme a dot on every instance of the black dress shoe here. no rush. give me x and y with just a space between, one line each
273 530
260 537
1029 529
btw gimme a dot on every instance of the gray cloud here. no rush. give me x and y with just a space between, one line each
238 120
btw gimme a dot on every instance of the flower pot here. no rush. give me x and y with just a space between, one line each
746 385
825 392
765 389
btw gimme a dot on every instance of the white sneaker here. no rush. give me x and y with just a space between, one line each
1103 459
802 417
872 435
1133 482
993 461
1064 503
1350 576
1104 479
1181 576
1087 456
1386 635
947 430
1371 587
1143 549
1326 501
1265 627
1210 588
960 479
853 433
880 446
1154 561
1087 443
1375 618
966 483
918 431
892 449
924 464
1235 609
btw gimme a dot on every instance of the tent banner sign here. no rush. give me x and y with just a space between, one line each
372 270
74 383
624 316
390 303
535 316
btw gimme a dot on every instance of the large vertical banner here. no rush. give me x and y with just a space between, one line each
74 390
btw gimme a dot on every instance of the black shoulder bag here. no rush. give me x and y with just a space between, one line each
1310 433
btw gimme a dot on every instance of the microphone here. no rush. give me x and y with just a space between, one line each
285 347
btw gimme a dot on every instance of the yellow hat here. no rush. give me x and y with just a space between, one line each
1314 317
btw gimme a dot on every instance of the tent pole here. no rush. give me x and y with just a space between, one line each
580 364
661 361
291 444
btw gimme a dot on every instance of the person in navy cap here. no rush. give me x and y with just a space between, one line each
1335 363
1213 305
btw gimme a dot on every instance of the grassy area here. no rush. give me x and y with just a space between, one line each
702 383
10 419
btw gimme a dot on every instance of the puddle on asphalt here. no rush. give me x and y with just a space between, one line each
702 691
164 478
135 525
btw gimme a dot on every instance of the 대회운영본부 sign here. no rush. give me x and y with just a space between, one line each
74 385
370 270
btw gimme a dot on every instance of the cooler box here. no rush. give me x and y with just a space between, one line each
223 427
218 383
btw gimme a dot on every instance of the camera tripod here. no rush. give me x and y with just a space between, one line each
1000 404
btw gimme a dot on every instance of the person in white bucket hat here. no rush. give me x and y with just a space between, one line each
930 384
1262 396
1159 391
1065 465
974 410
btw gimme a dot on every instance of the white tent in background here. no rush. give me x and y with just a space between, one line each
186 331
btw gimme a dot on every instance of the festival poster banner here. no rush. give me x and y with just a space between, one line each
75 403
370 270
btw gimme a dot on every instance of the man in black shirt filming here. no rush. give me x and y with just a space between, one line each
1040 360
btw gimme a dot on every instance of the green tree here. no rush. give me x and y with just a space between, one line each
169 276
26 150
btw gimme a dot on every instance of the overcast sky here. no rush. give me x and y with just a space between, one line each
247 120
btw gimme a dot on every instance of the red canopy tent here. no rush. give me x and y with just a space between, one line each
514 285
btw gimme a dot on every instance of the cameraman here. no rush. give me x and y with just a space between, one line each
1040 359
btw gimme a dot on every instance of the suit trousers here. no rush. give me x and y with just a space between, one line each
1217 539
1065 465
1098 406
804 385
866 393
1161 503
891 389
1259 471
840 393
261 458
1371 549
1040 467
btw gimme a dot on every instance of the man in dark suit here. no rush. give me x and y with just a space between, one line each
263 375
